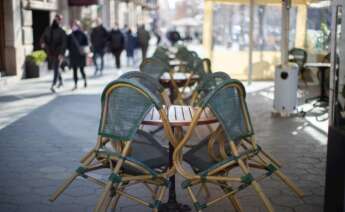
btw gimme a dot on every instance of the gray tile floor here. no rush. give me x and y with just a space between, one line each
42 137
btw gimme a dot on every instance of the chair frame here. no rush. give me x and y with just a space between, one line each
253 157
118 181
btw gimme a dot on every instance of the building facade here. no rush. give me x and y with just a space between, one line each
22 23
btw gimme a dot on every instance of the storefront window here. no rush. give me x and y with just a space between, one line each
231 27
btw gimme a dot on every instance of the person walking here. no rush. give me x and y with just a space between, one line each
158 36
77 45
173 36
54 41
99 37
117 44
143 39
130 47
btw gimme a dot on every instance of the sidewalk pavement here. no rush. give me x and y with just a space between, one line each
43 136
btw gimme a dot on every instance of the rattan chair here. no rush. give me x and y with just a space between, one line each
150 83
207 84
300 57
162 55
231 146
154 67
123 148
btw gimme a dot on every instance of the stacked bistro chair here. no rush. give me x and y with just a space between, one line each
161 55
206 85
230 146
150 83
122 147
195 66
181 53
300 57
154 67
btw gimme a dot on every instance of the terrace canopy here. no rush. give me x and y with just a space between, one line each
300 25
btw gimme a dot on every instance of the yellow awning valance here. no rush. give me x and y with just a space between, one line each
294 2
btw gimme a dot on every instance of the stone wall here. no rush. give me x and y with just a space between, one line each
19 32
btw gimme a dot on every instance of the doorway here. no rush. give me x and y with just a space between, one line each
40 20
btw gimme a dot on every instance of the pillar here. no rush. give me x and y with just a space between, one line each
64 11
14 54
301 26
116 11
208 28
106 14
285 32
251 42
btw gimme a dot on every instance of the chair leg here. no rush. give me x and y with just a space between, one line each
114 202
87 155
102 202
161 192
254 184
69 180
233 200
110 184
290 184
108 201
207 191
192 196
284 178
63 187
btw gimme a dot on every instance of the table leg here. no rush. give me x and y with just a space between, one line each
172 205
323 97
172 92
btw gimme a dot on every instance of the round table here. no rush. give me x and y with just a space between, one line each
180 80
178 116
322 67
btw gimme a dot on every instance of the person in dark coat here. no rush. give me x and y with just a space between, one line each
143 38
173 36
77 45
117 44
54 41
131 42
99 37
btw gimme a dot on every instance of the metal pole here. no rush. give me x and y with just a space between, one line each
251 42
208 29
285 32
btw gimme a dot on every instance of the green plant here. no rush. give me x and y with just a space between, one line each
38 56
323 38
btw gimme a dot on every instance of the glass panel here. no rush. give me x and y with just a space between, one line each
339 69
231 27
340 52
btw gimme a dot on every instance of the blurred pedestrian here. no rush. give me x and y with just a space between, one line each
130 47
54 41
158 36
78 49
125 29
99 38
173 36
117 44
143 39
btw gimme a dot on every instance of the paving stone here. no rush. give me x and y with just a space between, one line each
43 147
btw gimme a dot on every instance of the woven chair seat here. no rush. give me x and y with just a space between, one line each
198 156
145 149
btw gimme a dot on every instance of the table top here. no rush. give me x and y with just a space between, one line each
318 65
179 115
178 76
176 62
